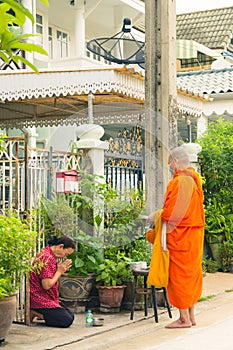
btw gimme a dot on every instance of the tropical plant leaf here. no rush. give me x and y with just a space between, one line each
20 11
4 57
46 2
26 62
24 46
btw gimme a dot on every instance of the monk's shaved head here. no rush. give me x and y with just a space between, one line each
180 157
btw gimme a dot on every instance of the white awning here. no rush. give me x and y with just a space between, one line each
221 104
48 83
55 95
189 105
186 49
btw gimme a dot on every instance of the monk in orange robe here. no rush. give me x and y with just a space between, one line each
184 213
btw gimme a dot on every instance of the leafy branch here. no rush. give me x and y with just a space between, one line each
13 16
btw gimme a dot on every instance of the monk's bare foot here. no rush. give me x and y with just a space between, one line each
193 321
179 324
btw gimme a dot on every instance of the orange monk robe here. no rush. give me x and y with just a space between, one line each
183 211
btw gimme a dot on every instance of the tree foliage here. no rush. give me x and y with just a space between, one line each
13 16
16 245
217 169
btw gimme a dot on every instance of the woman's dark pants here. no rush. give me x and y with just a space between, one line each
57 317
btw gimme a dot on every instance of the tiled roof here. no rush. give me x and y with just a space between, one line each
206 82
211 28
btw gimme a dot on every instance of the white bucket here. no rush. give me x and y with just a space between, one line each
135 265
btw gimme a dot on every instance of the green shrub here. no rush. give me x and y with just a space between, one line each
16 245
226 255
209 265
217 169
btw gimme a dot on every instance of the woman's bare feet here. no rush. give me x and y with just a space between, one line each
179 324
35 314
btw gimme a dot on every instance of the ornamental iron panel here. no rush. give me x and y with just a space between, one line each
124 160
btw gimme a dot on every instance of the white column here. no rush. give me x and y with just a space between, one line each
90 107
202 124
193 149
32 136
93 161
79 35
89 139
28 26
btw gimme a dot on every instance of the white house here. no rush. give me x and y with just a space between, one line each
76 86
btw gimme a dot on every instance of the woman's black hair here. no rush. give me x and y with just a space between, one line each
67 241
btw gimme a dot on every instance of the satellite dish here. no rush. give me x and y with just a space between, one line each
141 57
121 48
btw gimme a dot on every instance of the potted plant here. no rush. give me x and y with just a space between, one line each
122 227
16 244
111 275
226 254
218 228
75 215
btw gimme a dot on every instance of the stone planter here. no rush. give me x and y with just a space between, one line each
231 268
7 314
76 287
215 252
127 299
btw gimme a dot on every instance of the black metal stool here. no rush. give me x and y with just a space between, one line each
147 291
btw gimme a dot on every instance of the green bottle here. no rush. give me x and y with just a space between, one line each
89 319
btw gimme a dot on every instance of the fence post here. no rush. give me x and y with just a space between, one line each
93 155
50 173
26 194
193 149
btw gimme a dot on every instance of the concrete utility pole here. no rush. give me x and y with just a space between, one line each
160 96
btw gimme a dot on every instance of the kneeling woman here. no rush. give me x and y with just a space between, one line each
44 297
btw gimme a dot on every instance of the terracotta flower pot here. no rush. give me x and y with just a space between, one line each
111 296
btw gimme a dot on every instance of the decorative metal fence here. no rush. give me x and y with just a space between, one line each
26 174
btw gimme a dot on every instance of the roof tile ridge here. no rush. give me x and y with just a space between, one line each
210 10
207 71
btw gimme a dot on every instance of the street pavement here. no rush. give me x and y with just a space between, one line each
213 330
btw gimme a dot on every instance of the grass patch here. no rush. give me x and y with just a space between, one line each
208 297
229 290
